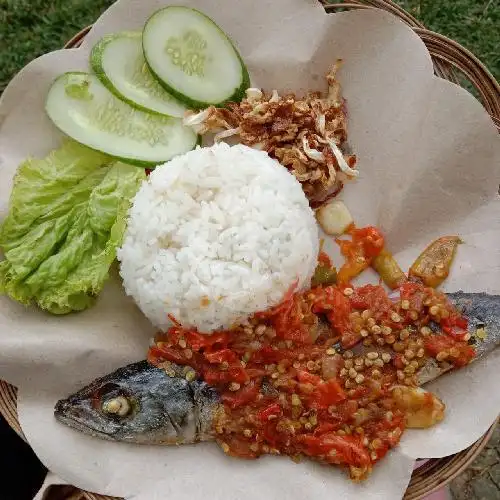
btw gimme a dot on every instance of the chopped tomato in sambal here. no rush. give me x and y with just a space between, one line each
314 375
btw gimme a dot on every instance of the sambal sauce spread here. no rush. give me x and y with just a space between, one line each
323 374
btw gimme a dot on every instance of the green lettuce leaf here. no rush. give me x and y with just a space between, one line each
66 219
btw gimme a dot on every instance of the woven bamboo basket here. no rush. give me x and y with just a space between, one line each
451 62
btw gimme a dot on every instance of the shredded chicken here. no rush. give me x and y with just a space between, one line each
305 135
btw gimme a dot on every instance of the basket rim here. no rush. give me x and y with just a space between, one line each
447 467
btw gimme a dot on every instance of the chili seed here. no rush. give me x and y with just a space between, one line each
467 337
376 374
340 432
390 339
370 322
366 314
343 372
190 375
311 365
376 329
348 384
270 332
441 356
225 447
400 375
421 353
409 354
247 433
330 351
353 373
348 363
364 333
182 343
296 364
386 357
368 362
373 456
386 330
234 386
372 355
378 363
224 365
358 362
413 315
389 415
275 375
445 314
425 331
404 361
405 304
380 341
260 330
301 356
188 353
308 426
360 379
296 400
348 292
409 370
348 354
365 441
376 444
434 310
404 334
254 447
367 342
395 317
414 363
398 347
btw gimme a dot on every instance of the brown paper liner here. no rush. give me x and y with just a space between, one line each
451 62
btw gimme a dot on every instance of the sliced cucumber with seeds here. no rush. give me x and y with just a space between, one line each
81 107
193 58
118 61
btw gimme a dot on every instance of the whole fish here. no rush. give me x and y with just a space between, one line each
141 403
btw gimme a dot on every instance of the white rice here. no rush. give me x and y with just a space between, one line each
216 235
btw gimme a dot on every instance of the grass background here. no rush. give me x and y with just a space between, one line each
29 28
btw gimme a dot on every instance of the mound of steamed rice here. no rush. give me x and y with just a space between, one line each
216 235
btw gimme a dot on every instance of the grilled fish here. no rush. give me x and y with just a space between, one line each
141 403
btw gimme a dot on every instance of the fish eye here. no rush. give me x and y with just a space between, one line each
119 406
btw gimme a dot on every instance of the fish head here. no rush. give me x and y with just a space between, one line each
140 403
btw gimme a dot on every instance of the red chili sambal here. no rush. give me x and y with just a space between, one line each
291 385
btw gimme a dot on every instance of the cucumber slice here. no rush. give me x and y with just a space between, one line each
81 107
193 58
118 61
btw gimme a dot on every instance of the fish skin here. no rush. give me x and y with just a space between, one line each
481 310
172 410
165 409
